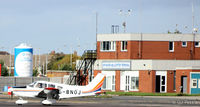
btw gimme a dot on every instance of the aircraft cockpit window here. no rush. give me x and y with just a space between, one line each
32 84
59 87
51 85
41 85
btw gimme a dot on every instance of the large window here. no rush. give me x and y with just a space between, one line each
123 45
129 80
109 83
171 46
134 83
108 45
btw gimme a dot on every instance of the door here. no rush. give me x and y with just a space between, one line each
113 82
184 84
158 83
162 86
127 83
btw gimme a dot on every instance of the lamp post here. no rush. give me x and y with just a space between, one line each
125 14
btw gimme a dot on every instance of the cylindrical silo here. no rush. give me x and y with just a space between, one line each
23 61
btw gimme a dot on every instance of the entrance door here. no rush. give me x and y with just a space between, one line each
127 83
184 84
162 86
158 83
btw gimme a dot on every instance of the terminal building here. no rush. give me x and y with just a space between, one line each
163 63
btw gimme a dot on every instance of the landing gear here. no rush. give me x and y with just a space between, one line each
48 102
21 101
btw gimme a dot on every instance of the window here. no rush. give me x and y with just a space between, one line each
184 44
51 85
134 83
174 80
109 83
123 45
194 83
171 46
41 85
197 44
108 45
199 83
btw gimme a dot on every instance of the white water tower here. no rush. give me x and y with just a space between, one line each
23 61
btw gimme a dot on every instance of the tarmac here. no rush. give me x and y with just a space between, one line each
113 101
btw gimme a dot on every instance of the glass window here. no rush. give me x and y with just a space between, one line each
51 85
113 82
124 46
41 85
197 44
174 80
108 45
184 44
137 83
171 46
32 84
194 83
163 80
199 83
108 85
134 83
104 84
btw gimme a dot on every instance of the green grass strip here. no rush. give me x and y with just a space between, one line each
148 94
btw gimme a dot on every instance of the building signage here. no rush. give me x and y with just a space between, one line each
116 65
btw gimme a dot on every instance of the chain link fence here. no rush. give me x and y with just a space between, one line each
23 81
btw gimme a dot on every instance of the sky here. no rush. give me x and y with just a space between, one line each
68 25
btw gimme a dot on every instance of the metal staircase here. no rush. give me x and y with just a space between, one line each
84 68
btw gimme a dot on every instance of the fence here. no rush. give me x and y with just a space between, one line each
22 81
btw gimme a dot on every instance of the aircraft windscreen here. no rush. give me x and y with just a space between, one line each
32 84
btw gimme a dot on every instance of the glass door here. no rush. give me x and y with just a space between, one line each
127 83
162 84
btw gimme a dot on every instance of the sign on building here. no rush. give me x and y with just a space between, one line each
116 65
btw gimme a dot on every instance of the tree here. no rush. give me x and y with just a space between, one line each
4 70
35 72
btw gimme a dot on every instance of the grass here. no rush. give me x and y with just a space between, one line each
148 94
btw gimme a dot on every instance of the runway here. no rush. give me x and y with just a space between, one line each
115 101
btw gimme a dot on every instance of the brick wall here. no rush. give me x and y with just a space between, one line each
147 81
57 74
96 72
117 80
179 74
170 81
150 50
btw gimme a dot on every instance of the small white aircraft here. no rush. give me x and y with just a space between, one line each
54 91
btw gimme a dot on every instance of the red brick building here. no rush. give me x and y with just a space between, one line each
149 62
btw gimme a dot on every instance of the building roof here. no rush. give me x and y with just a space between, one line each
148 37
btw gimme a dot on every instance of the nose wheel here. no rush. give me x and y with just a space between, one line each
48 102
21 101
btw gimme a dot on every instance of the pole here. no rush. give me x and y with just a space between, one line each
10 62
96 28
47 61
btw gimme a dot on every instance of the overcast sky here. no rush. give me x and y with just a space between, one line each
64 24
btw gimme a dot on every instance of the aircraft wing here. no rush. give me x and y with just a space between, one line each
49 93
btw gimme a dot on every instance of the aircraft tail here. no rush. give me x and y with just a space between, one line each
95 85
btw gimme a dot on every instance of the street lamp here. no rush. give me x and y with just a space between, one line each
125 14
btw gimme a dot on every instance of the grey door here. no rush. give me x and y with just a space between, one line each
184 84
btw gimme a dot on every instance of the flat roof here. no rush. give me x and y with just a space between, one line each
148 37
